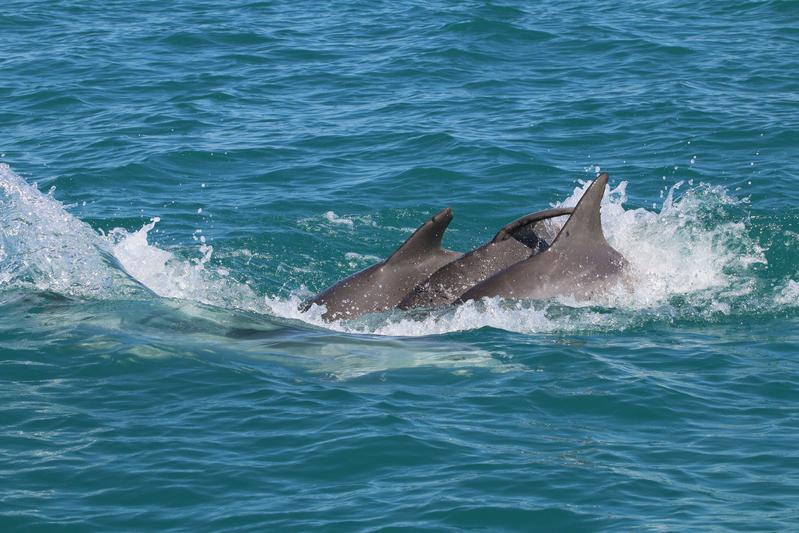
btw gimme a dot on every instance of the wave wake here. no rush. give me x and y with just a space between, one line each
691 258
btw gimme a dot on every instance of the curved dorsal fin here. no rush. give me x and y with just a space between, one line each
585 223
508 231
425 240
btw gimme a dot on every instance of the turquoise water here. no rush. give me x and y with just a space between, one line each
178 176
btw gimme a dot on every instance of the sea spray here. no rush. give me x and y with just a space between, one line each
46 248
172 277
691 259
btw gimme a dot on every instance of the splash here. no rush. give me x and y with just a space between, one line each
170 276
788 295
691 258
43 247
333 218
685 248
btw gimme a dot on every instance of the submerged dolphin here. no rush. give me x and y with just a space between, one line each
382 286
515 242
579 263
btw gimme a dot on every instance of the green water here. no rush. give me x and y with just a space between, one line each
178 177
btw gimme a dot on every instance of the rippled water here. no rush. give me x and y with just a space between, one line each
177 177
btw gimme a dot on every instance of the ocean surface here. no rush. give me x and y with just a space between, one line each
177 177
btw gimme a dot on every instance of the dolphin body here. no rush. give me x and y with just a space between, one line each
517 263
579 263
515 242
382 286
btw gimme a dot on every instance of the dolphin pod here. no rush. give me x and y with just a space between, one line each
525 260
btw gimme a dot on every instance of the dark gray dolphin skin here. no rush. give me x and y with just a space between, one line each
515 242
381 286
579 262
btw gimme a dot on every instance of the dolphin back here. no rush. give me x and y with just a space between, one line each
579 262
515 242
383 285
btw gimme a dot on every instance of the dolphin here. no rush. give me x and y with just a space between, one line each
579 263
382 286
515 242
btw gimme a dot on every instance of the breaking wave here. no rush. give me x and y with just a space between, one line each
691 258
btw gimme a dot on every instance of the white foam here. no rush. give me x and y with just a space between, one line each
675 251
689 253
45 247
333 218
788 294
170 276
680 251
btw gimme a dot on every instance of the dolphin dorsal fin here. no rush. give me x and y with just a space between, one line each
510 229
425 240
585 223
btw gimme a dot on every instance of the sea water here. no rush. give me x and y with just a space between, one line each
177 178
